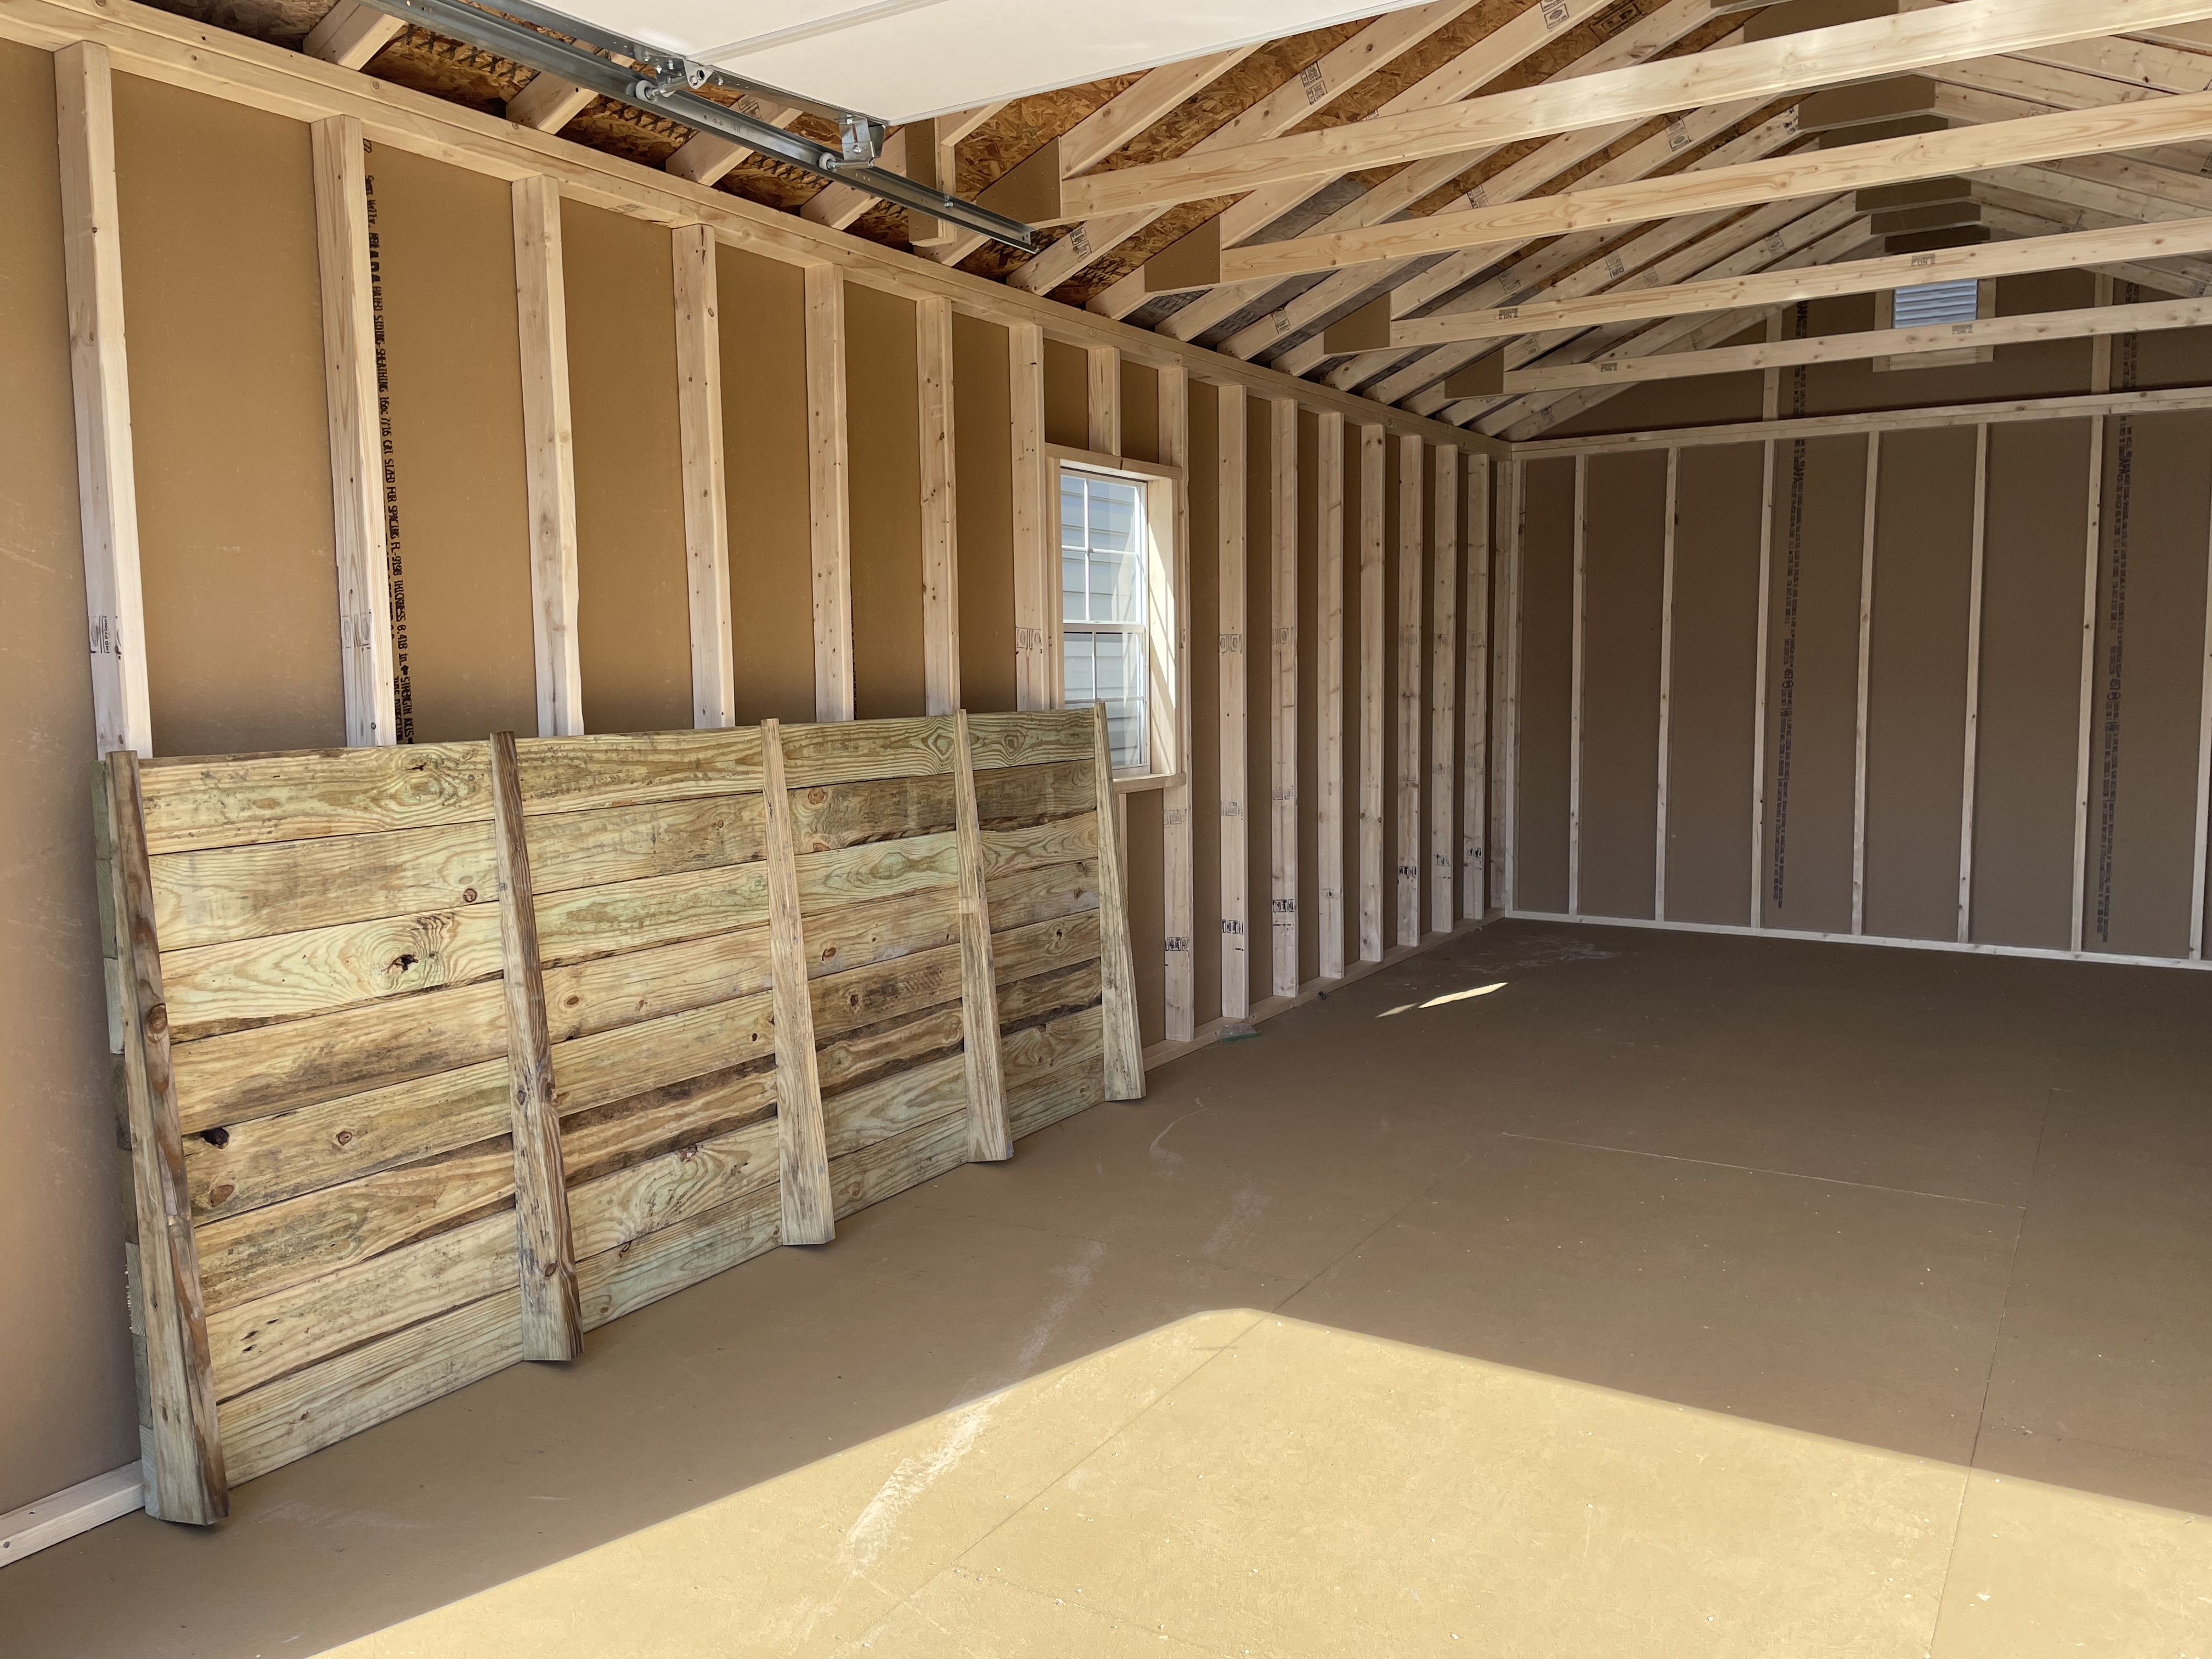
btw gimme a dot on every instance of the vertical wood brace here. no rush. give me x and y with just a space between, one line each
545 1263
106 488
1666 683
940 508
990 1136
1443 695
1866 665
1972 745
1410 640
828 493
1373 479
2094 540
350 34
1177 834
1509 791
181 1440
2197 878
1124 1039
1759 688
1329 690
1474 782
1575 702
809 1211
1034 583
1230 458
364 588
706 503
1283 931
549 440
1103 399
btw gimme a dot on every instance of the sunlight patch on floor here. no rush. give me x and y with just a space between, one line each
1236 1483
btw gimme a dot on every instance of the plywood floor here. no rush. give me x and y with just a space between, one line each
1688 1295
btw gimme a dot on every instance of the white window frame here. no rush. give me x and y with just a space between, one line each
1163 565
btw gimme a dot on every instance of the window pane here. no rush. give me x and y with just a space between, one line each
1071 511
1074 585
1113 586
1113 516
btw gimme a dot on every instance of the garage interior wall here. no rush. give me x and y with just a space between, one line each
1973 709
222 293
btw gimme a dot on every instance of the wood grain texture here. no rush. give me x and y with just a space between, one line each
1444 692
1035 686
1283 716
940 507
1049 891
705 508
1124 1042
545 1266
1028 739
235 800
1329 690
1053 1069
186 1478
989 1140
1411 505
828 493
1232 760
1372 614
550 451
808 1208
1178 849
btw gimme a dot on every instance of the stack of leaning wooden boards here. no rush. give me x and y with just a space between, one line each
433 1058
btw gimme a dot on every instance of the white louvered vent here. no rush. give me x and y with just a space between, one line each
1933 304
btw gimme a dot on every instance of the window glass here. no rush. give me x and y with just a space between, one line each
1102 586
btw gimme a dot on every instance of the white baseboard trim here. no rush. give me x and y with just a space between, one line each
1268 1007
77 1508
2032 952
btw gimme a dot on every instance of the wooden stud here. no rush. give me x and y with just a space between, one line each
1329 691
828 493
1103 399
809 1207
940 509
1575 694
548 103
1968 782
1759 688
107 486
1508 792
550 448
1034 582
1373 478
2085 692
1178 852
179 1435
2196 875
357 526
1283 931
1865 685
1443 695
1475 777
1411 534
990 1137
706 503
1229 457
1124 1040
1666 683
545 1266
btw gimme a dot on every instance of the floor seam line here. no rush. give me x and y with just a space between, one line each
1411 1199
1754 1169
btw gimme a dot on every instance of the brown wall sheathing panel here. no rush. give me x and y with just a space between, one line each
222 293
633 615
1548 598
1623 568
1917 682
2024 775
1259 694
1066 395
1711 703
446 248
1204 703
882 378
1141 411
66 1370
2147 686
1812 686
1653 406
1308 626
764 454
1143 865
2041 368
983 466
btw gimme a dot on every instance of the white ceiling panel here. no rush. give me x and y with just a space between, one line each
904 59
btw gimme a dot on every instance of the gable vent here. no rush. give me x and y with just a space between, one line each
1932 304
